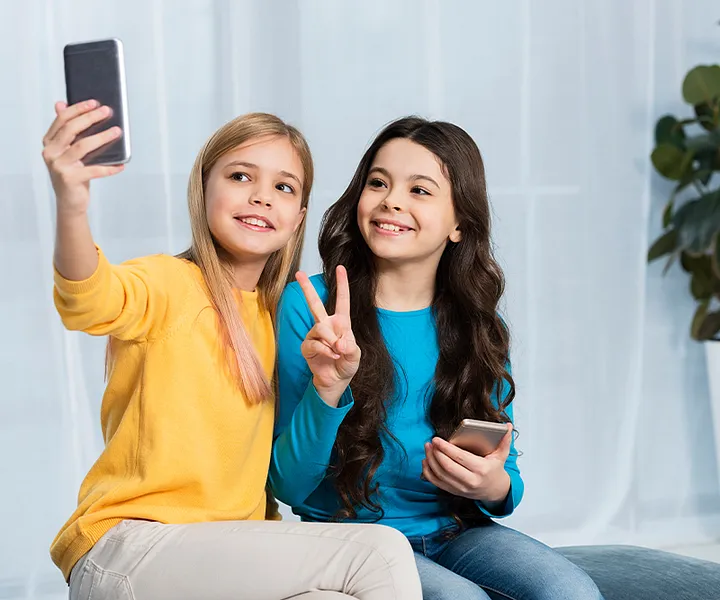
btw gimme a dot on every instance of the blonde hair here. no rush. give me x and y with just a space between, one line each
280 267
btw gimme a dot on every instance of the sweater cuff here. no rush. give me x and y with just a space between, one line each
73 288
322 411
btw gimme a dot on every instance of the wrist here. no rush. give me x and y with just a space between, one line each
330 395
498 492
68 213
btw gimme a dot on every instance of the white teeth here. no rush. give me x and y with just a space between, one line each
254 221
388 227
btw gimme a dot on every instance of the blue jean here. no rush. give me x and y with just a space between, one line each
493 561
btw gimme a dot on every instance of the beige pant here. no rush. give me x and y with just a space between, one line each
253 560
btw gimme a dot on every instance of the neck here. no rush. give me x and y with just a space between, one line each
405 287
246 276
246 272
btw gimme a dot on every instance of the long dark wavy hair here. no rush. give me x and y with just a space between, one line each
472 338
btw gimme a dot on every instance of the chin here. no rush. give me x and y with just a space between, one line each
385 248
239 249
389 254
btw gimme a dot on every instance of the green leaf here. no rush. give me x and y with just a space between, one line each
668 130
668 213
709 327
670 161
665 244
705 116
697 222
698 318
701 284
691 263
702 85
707 142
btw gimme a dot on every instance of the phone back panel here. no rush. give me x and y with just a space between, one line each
95 70
477 440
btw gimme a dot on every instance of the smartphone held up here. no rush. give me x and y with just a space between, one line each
96 71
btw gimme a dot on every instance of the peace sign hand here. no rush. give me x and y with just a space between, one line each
329 347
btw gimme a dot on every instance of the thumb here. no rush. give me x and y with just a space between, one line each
503 449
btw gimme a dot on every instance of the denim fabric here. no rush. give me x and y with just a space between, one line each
493 561
632 573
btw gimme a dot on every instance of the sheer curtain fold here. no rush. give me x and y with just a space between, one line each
561 96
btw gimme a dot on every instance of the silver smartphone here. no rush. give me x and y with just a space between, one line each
478 437
96 70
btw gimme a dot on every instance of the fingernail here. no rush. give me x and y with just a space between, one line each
92 103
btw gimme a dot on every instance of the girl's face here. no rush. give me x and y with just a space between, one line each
406 211
253 198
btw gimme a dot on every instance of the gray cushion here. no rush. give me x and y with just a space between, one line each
632 573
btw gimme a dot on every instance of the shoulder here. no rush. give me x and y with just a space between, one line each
161 264
293 310
167 275
293 294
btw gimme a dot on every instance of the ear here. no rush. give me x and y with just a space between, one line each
299 218
456 235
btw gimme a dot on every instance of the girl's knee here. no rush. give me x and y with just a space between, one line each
569 584
388 541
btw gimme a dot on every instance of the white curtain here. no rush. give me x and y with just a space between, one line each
561 96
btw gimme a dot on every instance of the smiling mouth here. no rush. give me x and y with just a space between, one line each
390 228
255 223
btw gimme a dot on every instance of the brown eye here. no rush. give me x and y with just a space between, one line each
376 183
238 176
420 191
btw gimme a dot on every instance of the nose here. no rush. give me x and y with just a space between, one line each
261 193
260 200
394 201
392 205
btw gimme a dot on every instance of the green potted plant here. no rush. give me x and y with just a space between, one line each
687 152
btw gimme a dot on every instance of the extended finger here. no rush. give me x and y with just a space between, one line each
317 308
342 298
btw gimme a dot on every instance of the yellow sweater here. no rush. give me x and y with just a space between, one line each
181 443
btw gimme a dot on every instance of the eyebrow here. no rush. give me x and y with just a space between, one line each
412 177
239 163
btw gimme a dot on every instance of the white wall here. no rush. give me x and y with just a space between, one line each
561 96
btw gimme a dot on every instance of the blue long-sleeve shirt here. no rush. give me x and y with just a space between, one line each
306 426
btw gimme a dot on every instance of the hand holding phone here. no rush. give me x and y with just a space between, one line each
478 437
64 151
465 473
